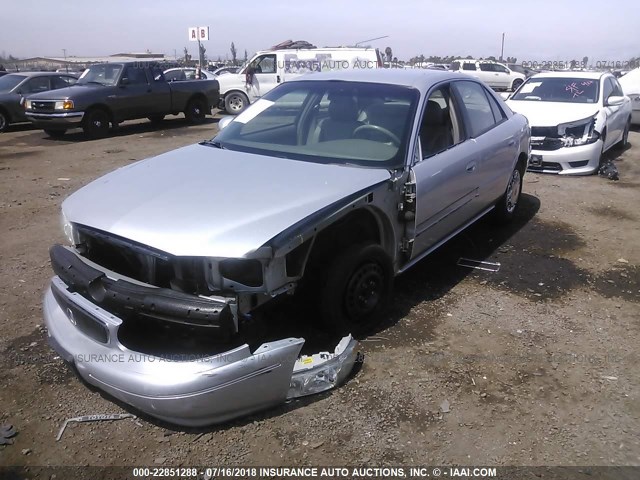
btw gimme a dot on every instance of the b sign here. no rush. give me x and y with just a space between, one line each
198 33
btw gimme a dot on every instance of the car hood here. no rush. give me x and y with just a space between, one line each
74 91
202 201
549 114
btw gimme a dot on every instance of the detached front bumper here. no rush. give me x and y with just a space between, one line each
582 160
47 120
187 390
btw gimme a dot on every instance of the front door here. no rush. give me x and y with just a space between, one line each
132 97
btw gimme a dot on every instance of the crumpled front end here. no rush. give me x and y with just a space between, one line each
86 311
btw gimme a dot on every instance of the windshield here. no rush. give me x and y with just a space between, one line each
8 82
335 122
105 74
559 89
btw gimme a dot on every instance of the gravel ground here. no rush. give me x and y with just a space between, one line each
536 363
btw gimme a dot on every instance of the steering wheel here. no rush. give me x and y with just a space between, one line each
379 129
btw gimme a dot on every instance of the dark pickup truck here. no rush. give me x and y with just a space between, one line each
109 93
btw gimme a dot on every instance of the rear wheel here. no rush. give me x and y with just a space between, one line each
196 110
516 83
55 133
625 136
357 289
235 102
96 123
507 206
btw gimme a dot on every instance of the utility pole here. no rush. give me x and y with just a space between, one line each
66 65
502 50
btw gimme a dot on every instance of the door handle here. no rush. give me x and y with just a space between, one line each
278 79
512 143
471 167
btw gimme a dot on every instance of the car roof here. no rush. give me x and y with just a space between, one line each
418 78
572 74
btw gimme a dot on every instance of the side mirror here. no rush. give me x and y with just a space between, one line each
224 121
124 81
614 101
505 95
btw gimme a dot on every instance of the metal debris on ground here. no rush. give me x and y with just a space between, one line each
478 264
6 434
93 418
609 170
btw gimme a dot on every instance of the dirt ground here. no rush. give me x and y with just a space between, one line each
538 361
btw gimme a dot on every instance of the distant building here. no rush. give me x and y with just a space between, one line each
79 63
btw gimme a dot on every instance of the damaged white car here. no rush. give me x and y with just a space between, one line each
575 117
330 184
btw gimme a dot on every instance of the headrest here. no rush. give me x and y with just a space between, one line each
343 108
433 115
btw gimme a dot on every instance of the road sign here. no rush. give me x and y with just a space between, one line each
198 34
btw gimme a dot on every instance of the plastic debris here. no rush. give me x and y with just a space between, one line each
6 434
478 264
93 418
609 170
444 406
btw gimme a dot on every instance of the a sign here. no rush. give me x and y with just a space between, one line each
198 34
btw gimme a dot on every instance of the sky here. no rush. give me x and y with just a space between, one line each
541 30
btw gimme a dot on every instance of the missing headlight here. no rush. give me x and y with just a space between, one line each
240 270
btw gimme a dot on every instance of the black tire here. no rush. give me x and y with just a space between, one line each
622 144
196 110
507 207
235 103
156 119
357 289
55 133
516 83
96 123
4 121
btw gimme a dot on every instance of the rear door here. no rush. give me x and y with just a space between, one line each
494 141
445 171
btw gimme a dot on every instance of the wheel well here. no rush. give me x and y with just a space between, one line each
522 162
231 92
359 226
6 113
198 96
100 106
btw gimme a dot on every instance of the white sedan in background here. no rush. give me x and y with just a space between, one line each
631 87
575 117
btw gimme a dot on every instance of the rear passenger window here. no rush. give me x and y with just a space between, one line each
469 66
480 116
486 67
498 114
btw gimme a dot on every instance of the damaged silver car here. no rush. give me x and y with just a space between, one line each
328 186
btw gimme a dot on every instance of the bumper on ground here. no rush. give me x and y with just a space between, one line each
582 160
188 391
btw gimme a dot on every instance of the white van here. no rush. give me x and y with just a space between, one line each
271 67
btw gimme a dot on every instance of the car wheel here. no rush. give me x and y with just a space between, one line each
622 144
357 289
196 110
155 119
235 102
4 121
96 124
55 133
508 204
516 84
